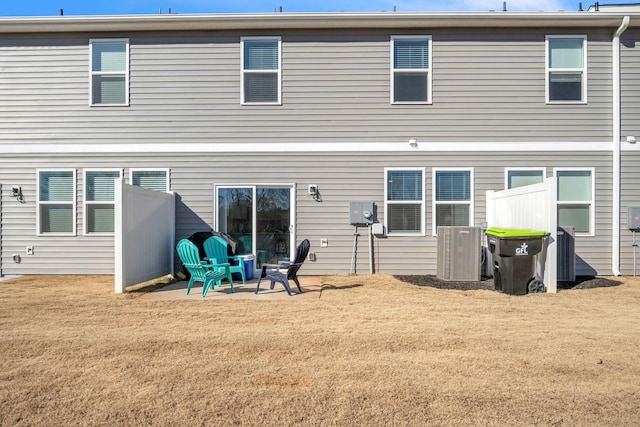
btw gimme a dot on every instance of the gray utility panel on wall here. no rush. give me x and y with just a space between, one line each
361 213
633 219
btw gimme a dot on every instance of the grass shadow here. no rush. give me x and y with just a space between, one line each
351 286
151 285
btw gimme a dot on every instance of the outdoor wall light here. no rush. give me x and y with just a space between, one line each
631 139
413 142
17 193
314 192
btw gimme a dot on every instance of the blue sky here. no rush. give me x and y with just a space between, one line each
118 7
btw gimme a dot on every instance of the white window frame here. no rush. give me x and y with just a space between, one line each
582 70
535 169
254 188
167 172
388 202
471 202
393 70
591 203
92 73
39 203
87 202
278 72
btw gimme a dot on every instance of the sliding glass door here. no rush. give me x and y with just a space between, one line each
260 217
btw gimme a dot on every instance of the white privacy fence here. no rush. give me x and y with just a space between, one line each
144 234
534 207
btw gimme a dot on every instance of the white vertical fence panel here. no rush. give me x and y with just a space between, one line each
534 207
1 230
144 234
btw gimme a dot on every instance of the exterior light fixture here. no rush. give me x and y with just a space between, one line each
17 193
631 139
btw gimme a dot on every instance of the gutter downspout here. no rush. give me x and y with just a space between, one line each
617 135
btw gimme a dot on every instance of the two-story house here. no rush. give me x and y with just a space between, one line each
239 115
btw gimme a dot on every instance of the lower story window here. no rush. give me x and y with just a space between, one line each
404 201
99 200
575 199
452 197
57 202
152 179
521 177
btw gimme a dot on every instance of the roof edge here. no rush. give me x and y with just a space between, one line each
324 20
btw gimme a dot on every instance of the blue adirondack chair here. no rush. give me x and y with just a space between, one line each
216 249
283 272
200 271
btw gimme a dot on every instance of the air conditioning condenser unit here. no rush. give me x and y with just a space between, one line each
459 253
566 254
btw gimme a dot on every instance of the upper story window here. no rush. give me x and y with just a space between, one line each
516 177
109 72
151 179
566 69
99 202
261 71
57 202
410 69
404 201
452 197
576 199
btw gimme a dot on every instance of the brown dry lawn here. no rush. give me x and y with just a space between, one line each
371 351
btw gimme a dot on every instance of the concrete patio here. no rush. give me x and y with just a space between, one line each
311 289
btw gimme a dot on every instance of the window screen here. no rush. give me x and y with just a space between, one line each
575 199
261 70
153 180
452 198
109 72
99 201
411 69
56 202
404 201
566 69
521 178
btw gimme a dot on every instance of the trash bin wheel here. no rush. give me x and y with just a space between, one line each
536 286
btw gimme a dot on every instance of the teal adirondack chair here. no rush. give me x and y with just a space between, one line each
216 249
200 271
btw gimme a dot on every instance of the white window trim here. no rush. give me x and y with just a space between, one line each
471 202
86 202
72 203
388 202
428 71
592 203
278 72
167 175
115 73
536 169
583 70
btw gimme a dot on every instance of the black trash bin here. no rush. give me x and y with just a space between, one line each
514 258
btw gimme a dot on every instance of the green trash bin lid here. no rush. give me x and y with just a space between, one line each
515 232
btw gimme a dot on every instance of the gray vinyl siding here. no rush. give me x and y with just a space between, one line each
630 197
185 87
630 83
341 178
630 158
